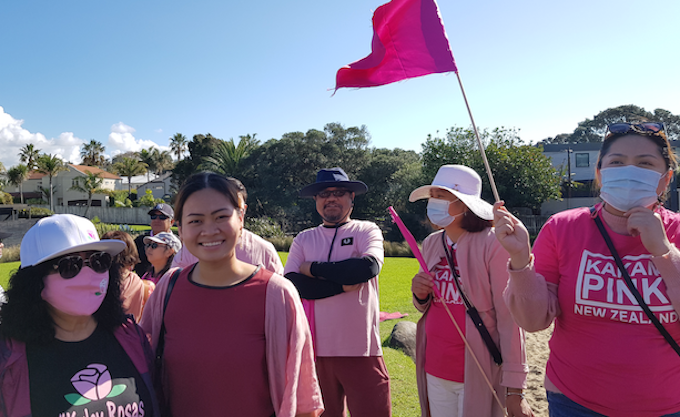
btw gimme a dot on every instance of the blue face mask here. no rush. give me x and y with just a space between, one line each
629 186
438 212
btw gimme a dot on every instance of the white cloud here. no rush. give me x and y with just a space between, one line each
67 145
13 137
158 130
121 139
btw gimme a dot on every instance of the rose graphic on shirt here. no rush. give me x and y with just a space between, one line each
93 383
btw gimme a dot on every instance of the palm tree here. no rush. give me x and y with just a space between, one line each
29 155
178 144
93 153
162 161
146 156
50 165
228 157
130 167
90 184
16 176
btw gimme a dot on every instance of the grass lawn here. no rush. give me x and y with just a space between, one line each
395 295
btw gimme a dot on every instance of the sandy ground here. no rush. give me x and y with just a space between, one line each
537 354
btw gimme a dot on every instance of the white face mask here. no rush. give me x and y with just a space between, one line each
438 212
626 187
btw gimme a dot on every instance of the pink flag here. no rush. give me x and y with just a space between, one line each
408 41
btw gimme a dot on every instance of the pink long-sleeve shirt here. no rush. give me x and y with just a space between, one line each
604 353
483 272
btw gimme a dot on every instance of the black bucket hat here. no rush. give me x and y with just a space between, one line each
332 177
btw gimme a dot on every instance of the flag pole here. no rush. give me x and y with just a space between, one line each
479 142
411 242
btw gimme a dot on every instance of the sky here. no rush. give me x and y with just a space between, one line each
131 74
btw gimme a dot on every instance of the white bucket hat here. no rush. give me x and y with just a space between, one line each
461 181
61 234
167 239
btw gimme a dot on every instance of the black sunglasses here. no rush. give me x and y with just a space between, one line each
152 245
70 266
159 216
646 128
336 193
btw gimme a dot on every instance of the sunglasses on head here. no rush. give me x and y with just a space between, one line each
70 266
335 193
646 128
159 216
152 245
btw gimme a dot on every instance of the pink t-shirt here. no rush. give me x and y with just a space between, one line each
604 353
217 366
445 350
346 324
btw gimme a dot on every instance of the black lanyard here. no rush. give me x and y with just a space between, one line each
471 310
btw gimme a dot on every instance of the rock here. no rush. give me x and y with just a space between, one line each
403 337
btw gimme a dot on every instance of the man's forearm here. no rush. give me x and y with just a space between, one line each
313 288
348 272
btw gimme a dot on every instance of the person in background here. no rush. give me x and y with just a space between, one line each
606 356
449 381
224 314
134 290
3 235
161 218
335 267
160 250
251 248
66 346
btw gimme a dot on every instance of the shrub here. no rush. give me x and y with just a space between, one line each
397 249
10 254
36 212
264 227
106 227
281 243
6 198
36 201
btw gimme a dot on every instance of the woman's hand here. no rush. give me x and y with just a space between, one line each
512 235
647 224
518 406
421 285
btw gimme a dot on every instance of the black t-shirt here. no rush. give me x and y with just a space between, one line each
94 377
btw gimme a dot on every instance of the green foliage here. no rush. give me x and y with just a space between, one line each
178 144
50 165
29 155
90 184
281 243
92 154
6 198
147 200
200 147
35 212
229 157
16 176
264 227
118 198
129 167
523 175
10 254
397 249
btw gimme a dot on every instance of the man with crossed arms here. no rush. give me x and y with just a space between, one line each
335 268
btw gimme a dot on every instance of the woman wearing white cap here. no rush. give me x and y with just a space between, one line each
66 346
469 267
160 250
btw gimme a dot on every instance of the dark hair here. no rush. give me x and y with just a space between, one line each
25 316
473 223
129 256
227 186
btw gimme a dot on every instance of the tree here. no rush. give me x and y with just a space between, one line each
523 175
16 176
146 156
162 161
93 153
178 144
594 130
129 167
29 155
90 184
200 147
228 158
50 165
275 171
